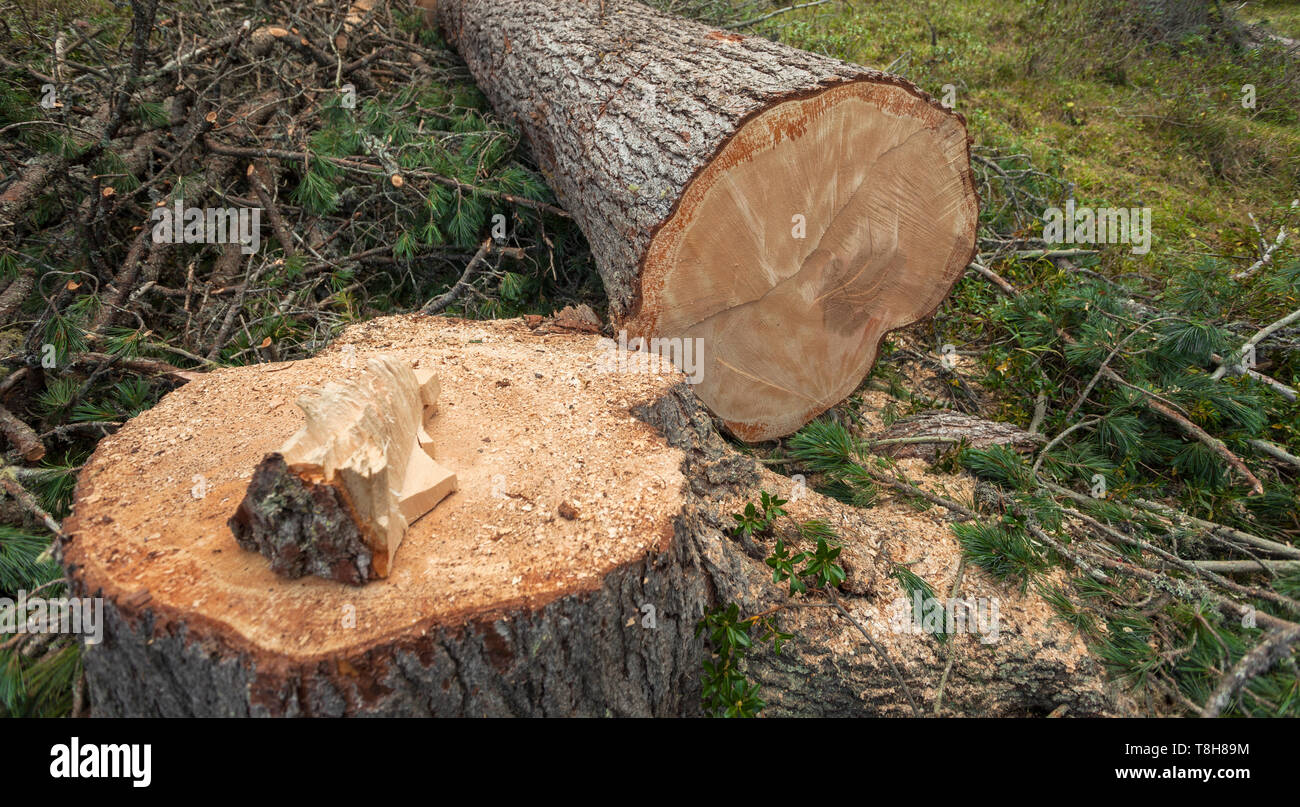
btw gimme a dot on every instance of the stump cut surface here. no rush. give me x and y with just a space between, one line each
560 484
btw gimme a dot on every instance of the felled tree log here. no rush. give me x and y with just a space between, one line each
337 498
565 577
785 209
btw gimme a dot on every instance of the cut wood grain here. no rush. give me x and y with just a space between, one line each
337 498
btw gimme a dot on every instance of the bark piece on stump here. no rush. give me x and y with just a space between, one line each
585 496
784 208
337 498
301 527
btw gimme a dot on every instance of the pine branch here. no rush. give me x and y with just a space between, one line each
1158 405
1275 647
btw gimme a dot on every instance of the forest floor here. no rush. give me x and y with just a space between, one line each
1112 354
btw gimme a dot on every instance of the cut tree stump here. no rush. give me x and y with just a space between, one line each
336 499
786 209
565 577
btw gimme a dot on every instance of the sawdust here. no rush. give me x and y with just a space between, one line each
559 484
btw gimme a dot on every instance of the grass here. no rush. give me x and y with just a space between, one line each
1280 16
1163 128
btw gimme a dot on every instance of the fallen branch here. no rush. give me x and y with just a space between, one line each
1259 336
880 651
1275 647
1219 529
1193 591
994 278
1153 401
1275 451
1044 253
28 502
952 645
1180 518
770 15
21 435
1038 462
272 210
367 168
467 277
1266 249
1213 443
14 294
140 365
1290 393
1115 536
1242 566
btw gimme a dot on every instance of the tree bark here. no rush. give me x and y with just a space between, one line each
784 209
302 528
566 576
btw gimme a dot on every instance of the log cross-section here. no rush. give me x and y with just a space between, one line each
783 209
337 498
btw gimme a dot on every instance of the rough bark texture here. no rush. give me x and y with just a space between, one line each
300 527
575 656
595 651
624 104
950 428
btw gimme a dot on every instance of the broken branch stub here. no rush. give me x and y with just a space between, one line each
337 498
